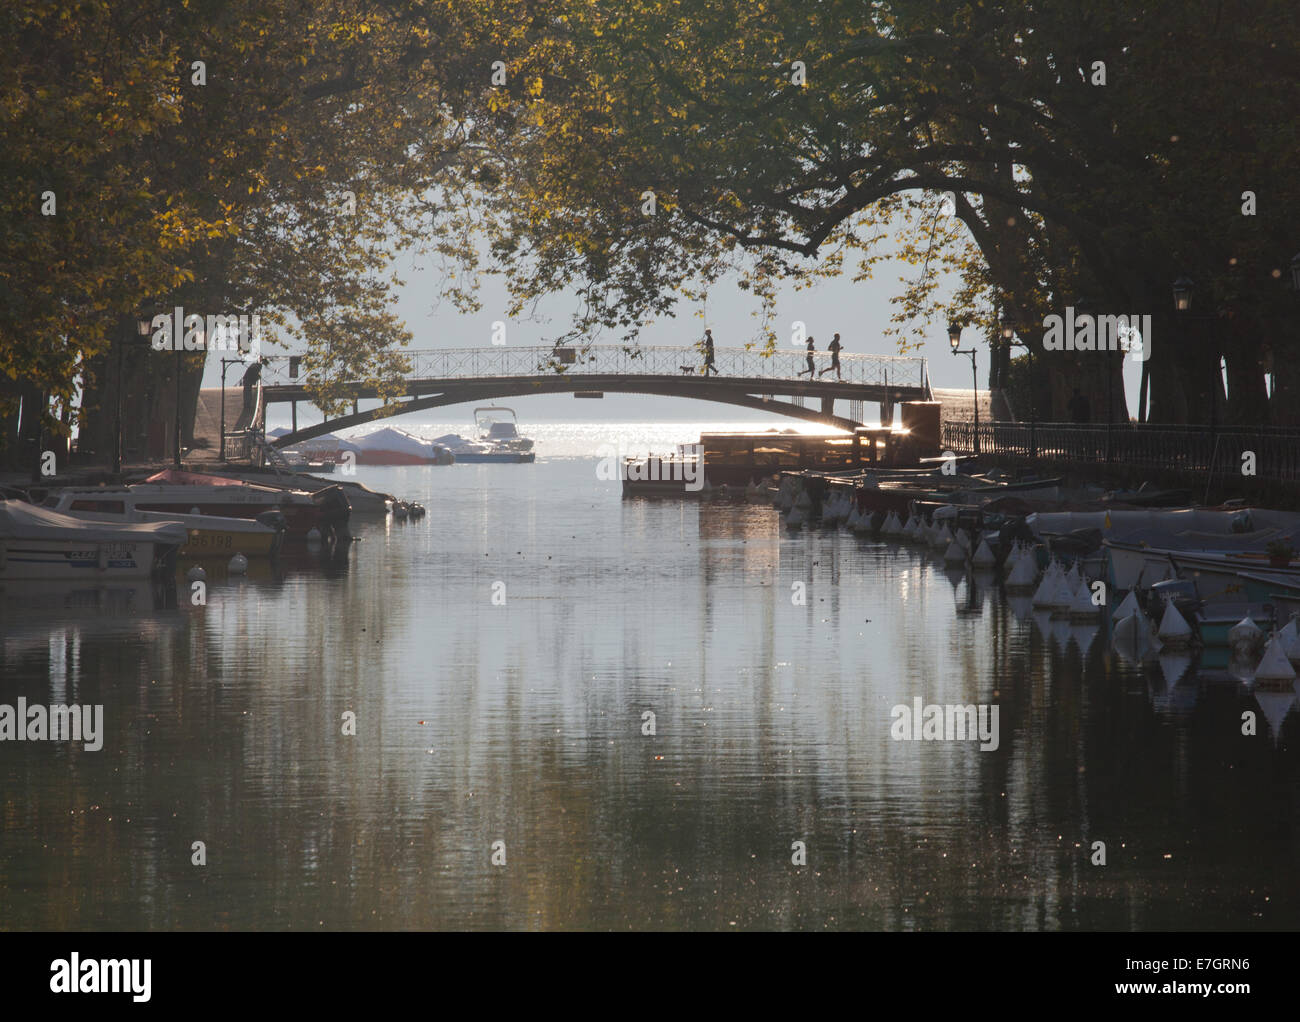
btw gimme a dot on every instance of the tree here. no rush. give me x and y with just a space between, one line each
246 157
1098 150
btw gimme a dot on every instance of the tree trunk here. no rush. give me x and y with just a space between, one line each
1168 395
1241 342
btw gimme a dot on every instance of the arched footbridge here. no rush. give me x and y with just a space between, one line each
776 382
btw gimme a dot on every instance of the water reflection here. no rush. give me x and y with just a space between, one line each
770 661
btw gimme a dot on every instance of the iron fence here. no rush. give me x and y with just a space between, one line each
1271 453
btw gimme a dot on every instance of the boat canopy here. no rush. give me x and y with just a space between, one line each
496 422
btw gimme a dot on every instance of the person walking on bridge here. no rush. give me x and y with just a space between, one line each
709 364
834 348
812 368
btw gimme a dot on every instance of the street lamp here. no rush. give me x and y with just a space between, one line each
954 340
226 363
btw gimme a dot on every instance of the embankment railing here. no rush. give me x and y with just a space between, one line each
1264 452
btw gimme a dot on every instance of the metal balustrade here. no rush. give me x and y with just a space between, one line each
1274 451
662 360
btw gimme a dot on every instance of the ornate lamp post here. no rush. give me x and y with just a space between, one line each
954 340
226 363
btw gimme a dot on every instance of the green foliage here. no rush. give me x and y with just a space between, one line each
228 196
1061 187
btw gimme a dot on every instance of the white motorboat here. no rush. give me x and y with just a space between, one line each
209 535
38 543
177 492
498 439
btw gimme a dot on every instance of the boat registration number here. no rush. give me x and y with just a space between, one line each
211 540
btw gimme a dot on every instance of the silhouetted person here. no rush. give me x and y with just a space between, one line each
708 354
812 369
1080 411
834 348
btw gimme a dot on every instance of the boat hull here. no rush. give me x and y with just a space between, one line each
384 457
299 518
512 458
73 560
37 543
228 542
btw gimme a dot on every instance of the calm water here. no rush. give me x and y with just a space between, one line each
522 723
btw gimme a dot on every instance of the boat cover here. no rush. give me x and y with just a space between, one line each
1166 522
27 521
389 439
176 477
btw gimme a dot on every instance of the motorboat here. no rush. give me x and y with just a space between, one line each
208 535
362 499
1146 546
497 439
327 510
39 543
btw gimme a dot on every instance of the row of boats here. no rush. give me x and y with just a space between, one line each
497 440
135 530
102 533
1225 577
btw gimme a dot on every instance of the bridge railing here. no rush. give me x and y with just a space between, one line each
660 360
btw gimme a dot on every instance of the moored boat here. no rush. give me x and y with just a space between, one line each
498 439
327 510
389 446
208 535
38 543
